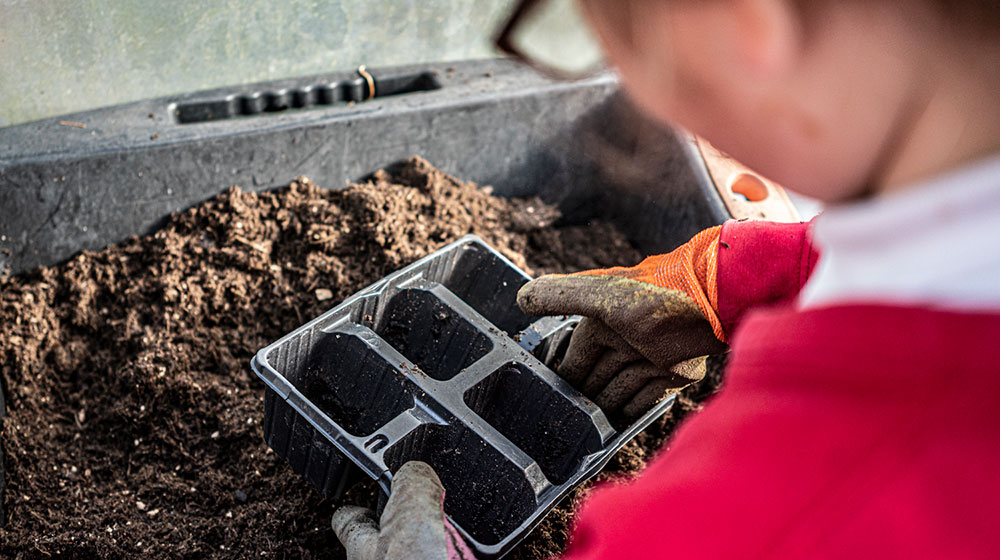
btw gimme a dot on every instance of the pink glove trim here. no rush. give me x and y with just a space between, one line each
457 549
761 263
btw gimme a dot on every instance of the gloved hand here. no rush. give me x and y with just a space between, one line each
646 329
413 523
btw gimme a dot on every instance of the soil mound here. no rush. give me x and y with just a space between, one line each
133 419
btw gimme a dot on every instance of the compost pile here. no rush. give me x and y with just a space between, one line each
133 425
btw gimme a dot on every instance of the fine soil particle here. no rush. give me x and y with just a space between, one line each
133 426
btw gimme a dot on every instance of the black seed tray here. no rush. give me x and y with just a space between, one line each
437 363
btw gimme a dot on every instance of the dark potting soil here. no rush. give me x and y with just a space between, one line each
133 426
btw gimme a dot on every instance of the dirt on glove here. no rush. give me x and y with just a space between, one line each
133 420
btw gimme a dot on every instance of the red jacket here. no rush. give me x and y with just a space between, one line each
859 431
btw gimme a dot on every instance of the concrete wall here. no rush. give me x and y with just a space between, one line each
60 56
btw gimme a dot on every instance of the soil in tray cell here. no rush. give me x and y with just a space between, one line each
133 421
353 385
432 335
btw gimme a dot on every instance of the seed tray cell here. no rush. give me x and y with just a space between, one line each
437 363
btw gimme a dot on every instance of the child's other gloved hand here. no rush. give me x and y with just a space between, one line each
413 524
646 329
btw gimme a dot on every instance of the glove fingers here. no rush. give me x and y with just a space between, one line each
634 377
599 297
416 476
656 389
355 527
589 342
555 294
666 326
692 370
607 368
416 490
613 300
413 522
653 392
625 385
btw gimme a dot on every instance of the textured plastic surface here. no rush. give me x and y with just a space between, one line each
347 91
432 363
64 188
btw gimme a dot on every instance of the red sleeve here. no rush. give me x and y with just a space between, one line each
833 437
761 263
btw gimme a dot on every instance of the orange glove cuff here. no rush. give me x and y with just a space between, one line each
691 268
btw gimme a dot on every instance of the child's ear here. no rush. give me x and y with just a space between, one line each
765 37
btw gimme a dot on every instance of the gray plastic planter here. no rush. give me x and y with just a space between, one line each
87 180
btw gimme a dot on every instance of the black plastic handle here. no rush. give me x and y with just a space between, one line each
354 90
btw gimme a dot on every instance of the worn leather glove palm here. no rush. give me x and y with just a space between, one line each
646 329
413 524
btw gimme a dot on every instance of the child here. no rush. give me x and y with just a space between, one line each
858 414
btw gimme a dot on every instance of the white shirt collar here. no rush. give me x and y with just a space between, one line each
934 245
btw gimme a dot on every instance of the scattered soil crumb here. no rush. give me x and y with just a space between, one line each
133 425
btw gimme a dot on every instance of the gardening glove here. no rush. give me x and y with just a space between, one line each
413 523
646 329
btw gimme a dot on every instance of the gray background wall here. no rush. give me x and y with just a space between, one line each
61 56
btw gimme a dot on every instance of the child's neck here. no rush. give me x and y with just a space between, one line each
958 124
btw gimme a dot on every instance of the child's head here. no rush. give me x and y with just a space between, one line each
828 97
